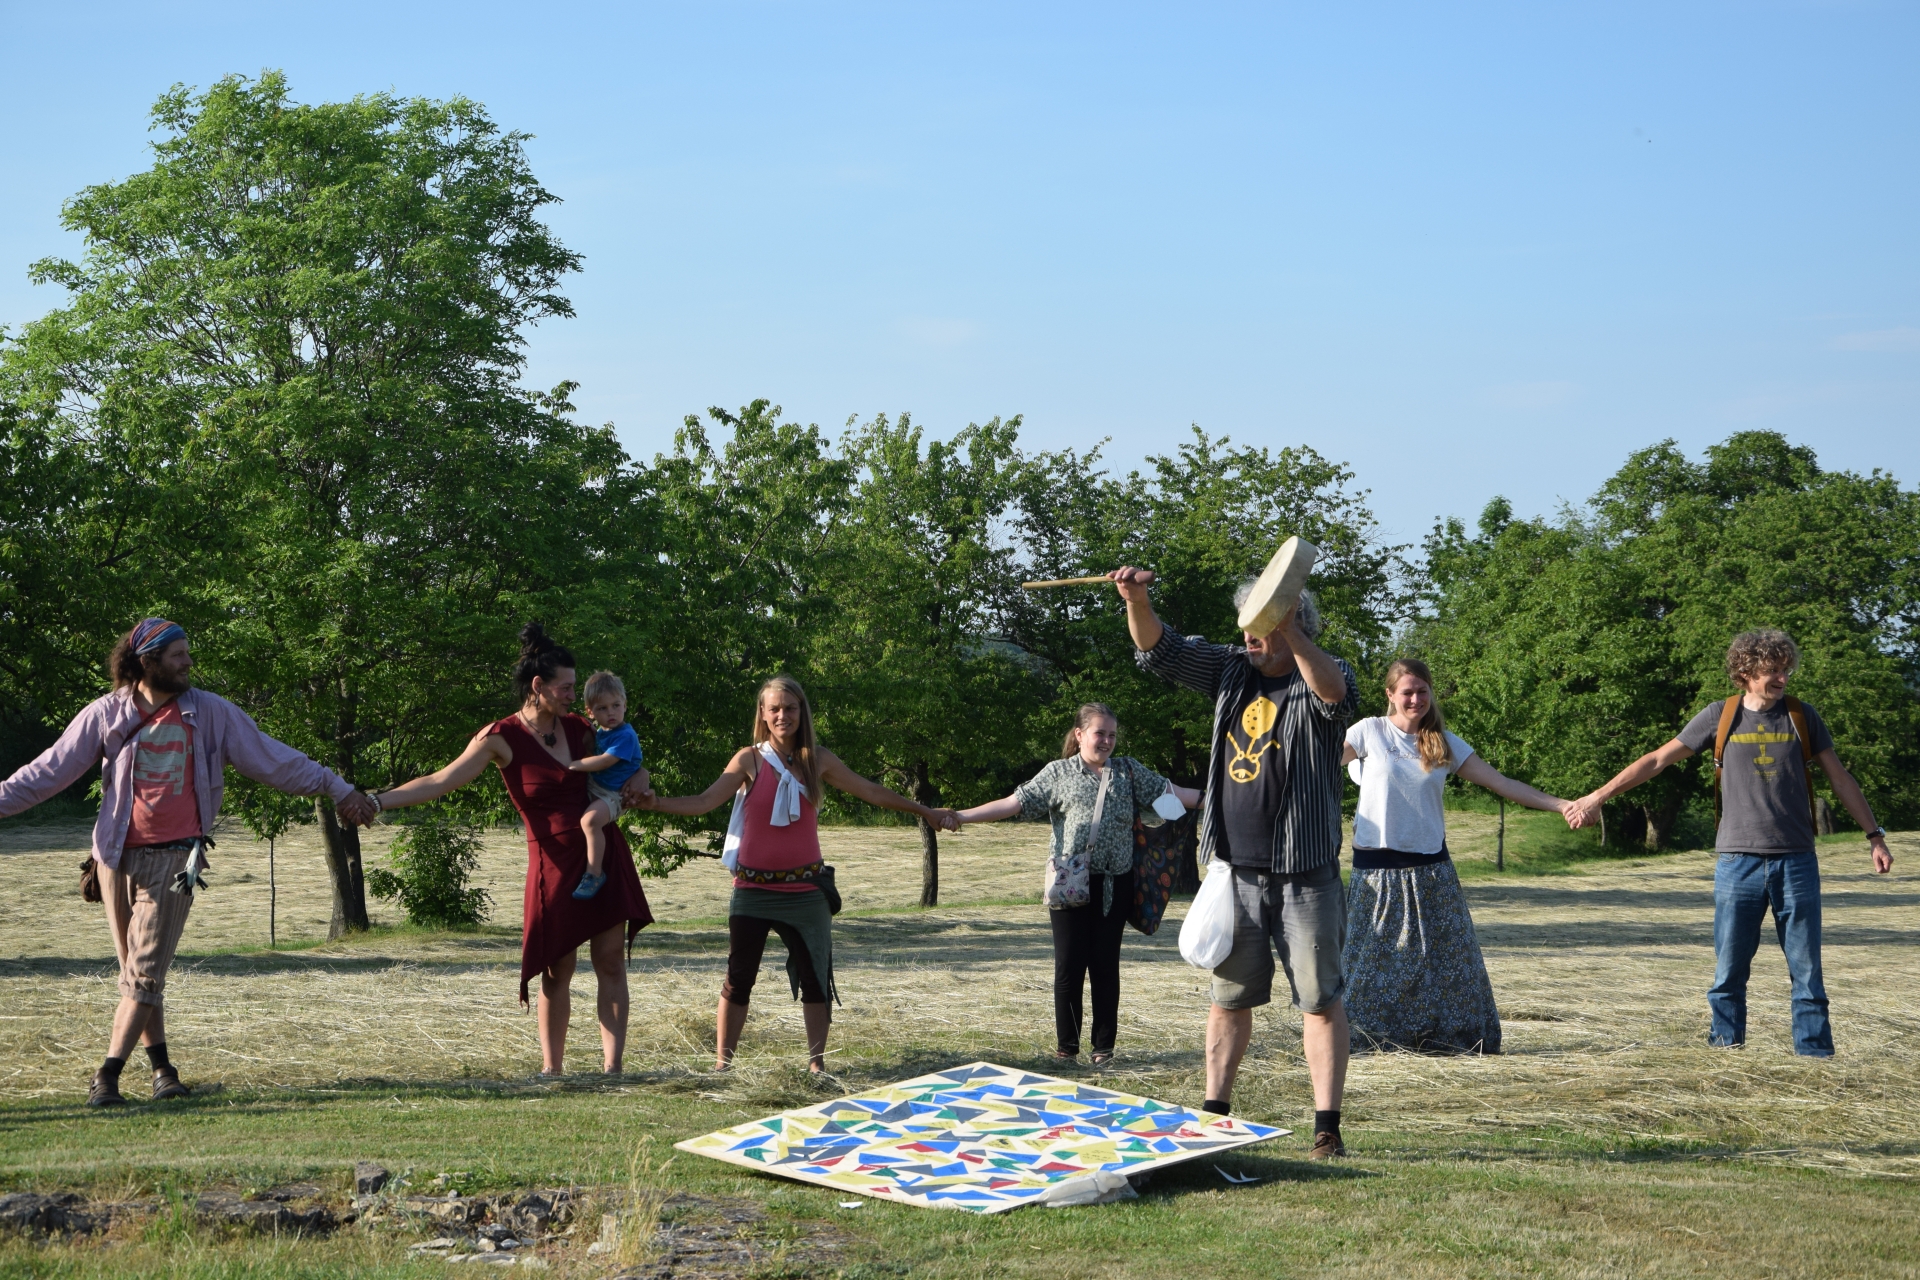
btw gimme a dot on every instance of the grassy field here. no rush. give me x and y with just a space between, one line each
1608 1140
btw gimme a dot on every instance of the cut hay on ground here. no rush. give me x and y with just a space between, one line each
1600 978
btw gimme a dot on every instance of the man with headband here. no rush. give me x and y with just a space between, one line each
163 747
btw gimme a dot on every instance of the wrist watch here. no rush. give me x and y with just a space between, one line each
1878 833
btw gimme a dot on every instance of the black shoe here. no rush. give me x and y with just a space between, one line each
105 1092
166 1084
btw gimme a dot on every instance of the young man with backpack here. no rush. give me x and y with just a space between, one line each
1764 746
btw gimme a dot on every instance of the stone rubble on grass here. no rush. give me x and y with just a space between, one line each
369 1178
274 1212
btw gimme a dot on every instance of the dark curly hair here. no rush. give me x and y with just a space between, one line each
124 665
540 657
1765 649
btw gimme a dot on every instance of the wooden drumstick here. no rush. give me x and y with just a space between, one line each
1068 582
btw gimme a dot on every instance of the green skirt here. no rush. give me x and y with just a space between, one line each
806 912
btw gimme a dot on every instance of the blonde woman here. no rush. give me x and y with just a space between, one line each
779 879
1091 799
1415 977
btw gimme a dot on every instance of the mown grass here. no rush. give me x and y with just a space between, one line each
1608 1140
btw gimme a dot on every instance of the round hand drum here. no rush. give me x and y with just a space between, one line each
1279 587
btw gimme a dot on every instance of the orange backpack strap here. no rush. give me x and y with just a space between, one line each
1728 711
1797 712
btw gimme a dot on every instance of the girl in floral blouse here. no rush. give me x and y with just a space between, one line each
1091 799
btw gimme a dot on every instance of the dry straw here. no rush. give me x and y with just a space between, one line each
1600 978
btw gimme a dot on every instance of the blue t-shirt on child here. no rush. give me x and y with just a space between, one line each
622 742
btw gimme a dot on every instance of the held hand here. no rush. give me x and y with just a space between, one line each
943 819
357 810
1582 812
1882 856
637 791
1132 582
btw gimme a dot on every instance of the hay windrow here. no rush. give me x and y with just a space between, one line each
1601 977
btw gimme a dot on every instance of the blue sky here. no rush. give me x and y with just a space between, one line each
1466 249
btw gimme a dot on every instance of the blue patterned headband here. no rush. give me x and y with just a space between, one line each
154 634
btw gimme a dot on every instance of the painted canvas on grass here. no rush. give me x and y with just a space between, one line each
980 1137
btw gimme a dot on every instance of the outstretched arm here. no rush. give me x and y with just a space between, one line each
834 770
992 811
55 769
594 764
485 749
1479 772
1855 800
1587 807
737 775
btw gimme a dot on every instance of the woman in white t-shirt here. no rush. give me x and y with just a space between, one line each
1415 978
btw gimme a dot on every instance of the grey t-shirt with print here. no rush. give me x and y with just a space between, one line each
1763 798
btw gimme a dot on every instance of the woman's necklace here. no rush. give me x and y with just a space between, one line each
549 738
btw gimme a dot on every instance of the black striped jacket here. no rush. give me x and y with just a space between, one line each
1311 733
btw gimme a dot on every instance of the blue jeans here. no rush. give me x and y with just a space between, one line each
1744 886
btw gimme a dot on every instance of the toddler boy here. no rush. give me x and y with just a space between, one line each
618 760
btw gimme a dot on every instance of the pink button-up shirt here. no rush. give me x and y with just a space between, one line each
105 734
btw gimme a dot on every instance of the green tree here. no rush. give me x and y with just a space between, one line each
433 857
308 320
730 590
1568 648
1204 518
920 693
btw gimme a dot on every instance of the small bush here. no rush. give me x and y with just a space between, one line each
432 857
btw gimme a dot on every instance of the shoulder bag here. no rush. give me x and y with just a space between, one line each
1154 852
1068 881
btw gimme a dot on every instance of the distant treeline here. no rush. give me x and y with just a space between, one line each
283 406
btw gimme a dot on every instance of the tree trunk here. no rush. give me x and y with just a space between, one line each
1823 816
926 793
343 868
1634 827
343 843
1660 822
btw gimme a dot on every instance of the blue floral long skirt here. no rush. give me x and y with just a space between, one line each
1415 977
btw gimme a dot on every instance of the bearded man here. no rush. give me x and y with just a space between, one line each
162 747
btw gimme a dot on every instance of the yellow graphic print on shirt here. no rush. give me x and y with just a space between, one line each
1258 720
1762 763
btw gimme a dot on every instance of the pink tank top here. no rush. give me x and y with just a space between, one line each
765 847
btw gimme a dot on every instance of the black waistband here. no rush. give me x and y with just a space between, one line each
1395 859
170 846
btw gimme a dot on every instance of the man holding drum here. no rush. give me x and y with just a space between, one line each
1271 813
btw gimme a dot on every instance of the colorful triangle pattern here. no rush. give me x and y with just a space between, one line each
981 1137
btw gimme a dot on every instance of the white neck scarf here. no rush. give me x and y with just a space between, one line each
786 806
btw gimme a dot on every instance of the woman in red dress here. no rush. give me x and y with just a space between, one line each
532 749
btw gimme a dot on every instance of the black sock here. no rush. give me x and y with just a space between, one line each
157 1055
111 1068
1215 1105
1327 1122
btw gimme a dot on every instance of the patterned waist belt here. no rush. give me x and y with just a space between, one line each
791 875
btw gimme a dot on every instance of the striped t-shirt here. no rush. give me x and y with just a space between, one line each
1304 734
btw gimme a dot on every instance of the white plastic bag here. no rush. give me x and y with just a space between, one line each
1206 935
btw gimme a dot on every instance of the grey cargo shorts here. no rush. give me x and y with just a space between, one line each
1304 918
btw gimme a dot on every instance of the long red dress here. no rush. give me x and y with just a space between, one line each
551 798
